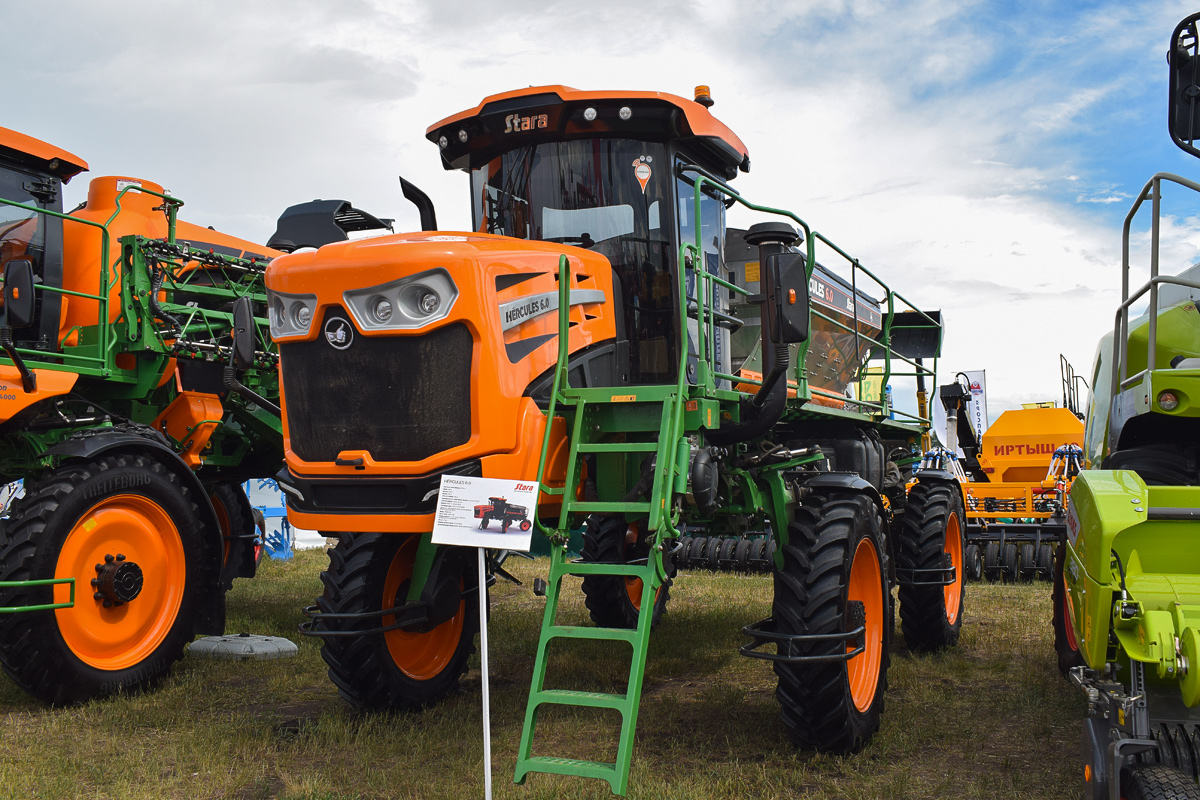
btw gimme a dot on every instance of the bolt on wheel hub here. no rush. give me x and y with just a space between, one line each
117 581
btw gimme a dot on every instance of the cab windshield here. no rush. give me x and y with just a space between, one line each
607 195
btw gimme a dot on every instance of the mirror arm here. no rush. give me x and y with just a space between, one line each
28 377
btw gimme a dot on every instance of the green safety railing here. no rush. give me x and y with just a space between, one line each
66 359
45 606
101 360
707 316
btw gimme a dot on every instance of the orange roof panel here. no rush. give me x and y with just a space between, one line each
699 119
71 164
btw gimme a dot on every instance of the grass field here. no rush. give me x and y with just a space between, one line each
991 719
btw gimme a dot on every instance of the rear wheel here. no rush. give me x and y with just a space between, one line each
130 534
1156 782
615 600
832 581
396 669
1065 644
931 616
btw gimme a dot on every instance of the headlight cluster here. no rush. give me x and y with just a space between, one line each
410 302
291 314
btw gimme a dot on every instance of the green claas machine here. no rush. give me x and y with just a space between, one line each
136 388
580 335
1127 579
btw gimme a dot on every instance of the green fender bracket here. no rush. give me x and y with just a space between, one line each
45 606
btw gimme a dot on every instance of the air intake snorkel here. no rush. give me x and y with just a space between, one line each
784 301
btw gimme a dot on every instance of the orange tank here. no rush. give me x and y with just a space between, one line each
1017 448
140 213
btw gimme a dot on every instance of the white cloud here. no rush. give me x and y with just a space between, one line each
920 135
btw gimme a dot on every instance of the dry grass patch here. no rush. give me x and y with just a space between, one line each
990 719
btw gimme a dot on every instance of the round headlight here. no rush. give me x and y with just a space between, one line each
462 135
381 309
302 315
428 301
1167 401
589 114
443 142
278 313
625 112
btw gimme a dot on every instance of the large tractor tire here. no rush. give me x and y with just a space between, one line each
1065 645
396 669
1156 782
833 579
931 616
130 533
613 601
238 532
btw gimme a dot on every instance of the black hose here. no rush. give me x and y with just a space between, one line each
155 287
234 385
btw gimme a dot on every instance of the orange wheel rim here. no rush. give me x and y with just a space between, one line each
866 586
633 586
953 592
121 636
420 656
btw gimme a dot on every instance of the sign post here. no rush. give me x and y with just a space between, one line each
483 678
480 513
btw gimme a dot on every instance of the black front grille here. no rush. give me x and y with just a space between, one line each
400 398
409 494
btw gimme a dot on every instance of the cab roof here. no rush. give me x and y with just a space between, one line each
554 113
28 149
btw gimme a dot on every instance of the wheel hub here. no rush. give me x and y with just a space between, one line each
117 581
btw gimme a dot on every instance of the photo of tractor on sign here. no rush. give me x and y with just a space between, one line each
507 513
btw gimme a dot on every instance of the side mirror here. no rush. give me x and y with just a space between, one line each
1183 103
243 333
791 296
18 293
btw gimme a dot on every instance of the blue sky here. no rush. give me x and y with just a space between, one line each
980 155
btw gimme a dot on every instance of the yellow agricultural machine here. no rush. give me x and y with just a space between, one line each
1015 481
583 335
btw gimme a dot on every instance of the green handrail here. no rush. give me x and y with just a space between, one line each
43 607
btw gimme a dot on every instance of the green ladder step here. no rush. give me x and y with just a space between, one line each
568 697
570 766
617 447
578 632
614 506
602 568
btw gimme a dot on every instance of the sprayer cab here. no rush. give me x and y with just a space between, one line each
612 173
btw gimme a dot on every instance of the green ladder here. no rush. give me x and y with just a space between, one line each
593 412
616 773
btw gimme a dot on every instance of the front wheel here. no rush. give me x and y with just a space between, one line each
614 601
1066 646
395 669
833 580
1156 782
931 536
239 530
130 534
